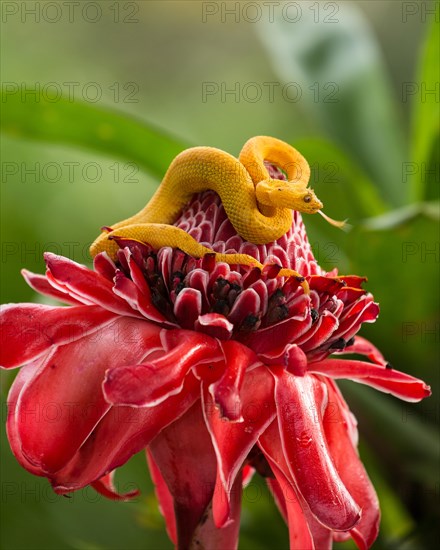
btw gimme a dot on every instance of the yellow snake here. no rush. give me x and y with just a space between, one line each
259 207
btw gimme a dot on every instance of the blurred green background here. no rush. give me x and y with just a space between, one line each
120 88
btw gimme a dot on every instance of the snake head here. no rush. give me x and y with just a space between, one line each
285 194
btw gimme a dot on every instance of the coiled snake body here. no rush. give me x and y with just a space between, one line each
259 207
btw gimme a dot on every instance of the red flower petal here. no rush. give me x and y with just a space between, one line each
251 276
41 285
121 433
208 535
198 280
166 502
184 454
142 297
362 346
188 307
137 275
325 285
233 440
84 283
352 280
62 403
283 333
247 303
285 492
305 532
130 293
215 325
104 265
64 290
307 454
351 471
320 332
146 385
105 487
291 357
226 390
348 295
363 311
24 375
397 383
247 474
30 330
280 497
261 289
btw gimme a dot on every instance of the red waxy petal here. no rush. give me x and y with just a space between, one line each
362 346
233 440
121 433
127 290
165 498
352 280
30 330
146 385
198 280
184 455
84 283
248 473
291 357
226 390
392 381
363 311
325 285
188 307
305 532
285 492
41 284
215 325
104 265
25 374
320 332
208 535
247 303
60 406
283 333
307 454
106 488
351 471
261 289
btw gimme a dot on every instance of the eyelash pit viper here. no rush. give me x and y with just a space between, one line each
259 207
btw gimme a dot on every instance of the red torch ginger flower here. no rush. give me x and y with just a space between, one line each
218 372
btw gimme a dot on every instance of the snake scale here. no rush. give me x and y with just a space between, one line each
259 207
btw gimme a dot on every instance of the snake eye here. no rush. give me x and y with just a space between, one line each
307 198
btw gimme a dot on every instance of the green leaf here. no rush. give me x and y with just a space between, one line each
58 120
332 62
261 524
85 520
426 119
396 522
399 252
394 431
347 193
394 218
339 182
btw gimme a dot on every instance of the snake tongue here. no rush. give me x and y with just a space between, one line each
336 223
